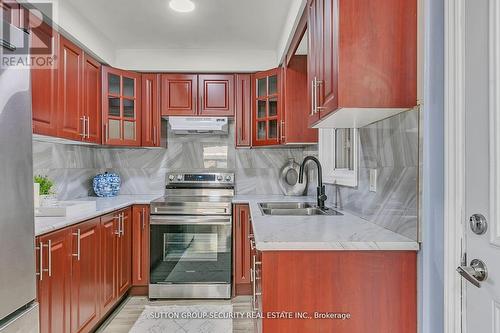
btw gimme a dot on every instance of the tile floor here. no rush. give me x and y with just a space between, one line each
124 317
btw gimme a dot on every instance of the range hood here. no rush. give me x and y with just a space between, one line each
198 125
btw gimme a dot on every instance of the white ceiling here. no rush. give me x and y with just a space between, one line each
214 24
218 36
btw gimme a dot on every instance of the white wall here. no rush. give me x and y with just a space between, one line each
431 256
192 60
81 30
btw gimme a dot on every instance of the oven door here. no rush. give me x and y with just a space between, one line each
190 249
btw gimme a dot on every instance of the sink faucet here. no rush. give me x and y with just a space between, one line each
321 188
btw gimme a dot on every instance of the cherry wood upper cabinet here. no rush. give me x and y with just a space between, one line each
13 13
85 276
216 95
121 107
151 117
266 123
243 104
179 94
140 245
54 284
70 107
92 100
362 54
44 82
295 129
241 248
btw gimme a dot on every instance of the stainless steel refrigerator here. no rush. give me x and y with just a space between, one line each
18 309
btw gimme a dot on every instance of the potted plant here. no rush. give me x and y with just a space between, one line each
47 193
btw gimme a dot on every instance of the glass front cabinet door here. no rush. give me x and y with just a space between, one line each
121 107
267 107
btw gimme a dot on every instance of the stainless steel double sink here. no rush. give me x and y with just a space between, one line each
294 209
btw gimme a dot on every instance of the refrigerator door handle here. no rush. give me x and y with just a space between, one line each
40 260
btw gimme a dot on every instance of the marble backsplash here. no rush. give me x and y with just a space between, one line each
391 147
143 170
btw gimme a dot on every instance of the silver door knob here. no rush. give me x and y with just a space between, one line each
475 273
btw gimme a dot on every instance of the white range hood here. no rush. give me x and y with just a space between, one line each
198 125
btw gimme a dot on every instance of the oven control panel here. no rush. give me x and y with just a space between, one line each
200 178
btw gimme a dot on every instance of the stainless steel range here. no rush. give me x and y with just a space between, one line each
190 244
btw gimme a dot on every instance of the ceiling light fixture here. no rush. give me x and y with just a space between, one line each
182 6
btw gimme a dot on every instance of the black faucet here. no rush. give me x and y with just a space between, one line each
321 188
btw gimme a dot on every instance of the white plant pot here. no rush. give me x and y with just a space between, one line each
48 200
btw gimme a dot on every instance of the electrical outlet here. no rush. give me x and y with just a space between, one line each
373 180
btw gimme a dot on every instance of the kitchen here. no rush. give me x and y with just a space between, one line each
188 157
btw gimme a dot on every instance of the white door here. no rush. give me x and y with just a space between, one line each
481 289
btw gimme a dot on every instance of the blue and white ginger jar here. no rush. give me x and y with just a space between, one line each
107 184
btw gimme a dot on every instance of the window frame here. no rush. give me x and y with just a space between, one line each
327 154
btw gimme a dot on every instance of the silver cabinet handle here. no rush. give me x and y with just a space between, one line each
475 273
77 254
49 246
254 285
143 218
282 130
318 84
82 119
119 231
154 135
123 223
312 97
106 133
40 259
254 278
88 127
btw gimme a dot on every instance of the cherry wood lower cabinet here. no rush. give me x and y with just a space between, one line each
241 250
54 274
84 271
378 289
85 259
116 257
140 245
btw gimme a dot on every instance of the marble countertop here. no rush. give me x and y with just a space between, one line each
345 232
104 205
334 232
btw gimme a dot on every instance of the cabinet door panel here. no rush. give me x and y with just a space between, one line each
241 258
179 94
328 84
383 73
314 55
121 107
44 82
109 228
70 114
54 286
85 280
216 95
92 99
151 118
243 95
125 253
295 129
140 245
267 103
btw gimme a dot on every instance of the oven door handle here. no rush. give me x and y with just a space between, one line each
197 220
